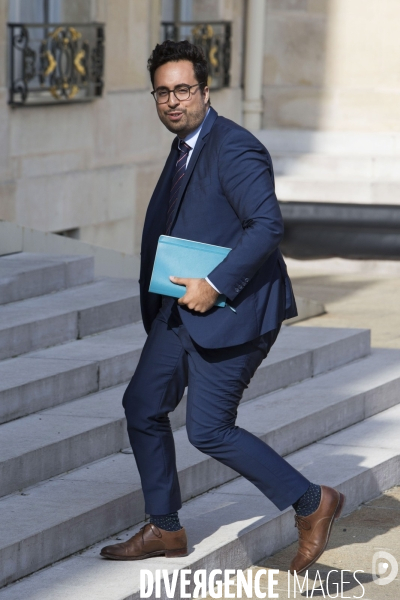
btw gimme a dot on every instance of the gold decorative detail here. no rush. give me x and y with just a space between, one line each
52 63
204 31
63 61
73 92
78 62
54 93
56 32
75 34
212 56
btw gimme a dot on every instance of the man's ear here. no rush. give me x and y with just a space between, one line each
206 92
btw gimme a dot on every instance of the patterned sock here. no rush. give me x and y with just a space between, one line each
308 502
167 522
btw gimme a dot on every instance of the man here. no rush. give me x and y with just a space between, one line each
217 187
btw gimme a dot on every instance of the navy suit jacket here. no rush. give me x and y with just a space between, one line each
227 198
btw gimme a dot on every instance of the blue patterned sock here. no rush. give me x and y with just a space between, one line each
308 502
167 522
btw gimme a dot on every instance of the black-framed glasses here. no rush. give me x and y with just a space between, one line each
181 92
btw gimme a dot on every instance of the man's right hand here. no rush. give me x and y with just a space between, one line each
200 295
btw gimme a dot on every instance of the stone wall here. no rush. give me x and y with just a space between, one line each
328 65
332 65
93 166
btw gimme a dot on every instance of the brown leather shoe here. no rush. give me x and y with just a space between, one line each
149 541
314 530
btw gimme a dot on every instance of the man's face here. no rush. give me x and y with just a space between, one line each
181 116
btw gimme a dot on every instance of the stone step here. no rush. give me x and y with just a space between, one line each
338 143
347 167
67 315
336 190
72 511
27 274
230 527
78 432
46 378
49 377
78 368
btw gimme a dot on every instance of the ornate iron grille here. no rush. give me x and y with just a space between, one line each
215 39
55 63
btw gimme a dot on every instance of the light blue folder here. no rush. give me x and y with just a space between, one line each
183 258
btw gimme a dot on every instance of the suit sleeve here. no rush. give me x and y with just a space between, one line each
246 177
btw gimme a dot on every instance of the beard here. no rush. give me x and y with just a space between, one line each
189 121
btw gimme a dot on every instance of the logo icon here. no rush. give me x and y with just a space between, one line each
384 568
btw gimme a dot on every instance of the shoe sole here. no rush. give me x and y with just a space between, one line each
166 553
336 515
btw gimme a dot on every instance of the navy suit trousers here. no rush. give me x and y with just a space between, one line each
216 379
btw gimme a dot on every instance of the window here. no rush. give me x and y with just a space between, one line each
198 21
56 54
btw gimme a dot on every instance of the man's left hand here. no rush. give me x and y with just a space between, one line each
200 295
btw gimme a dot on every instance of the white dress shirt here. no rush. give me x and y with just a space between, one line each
191 140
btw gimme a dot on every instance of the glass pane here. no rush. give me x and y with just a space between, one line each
26 11
58 11
55 10
167 10
186 10
75 11
206 10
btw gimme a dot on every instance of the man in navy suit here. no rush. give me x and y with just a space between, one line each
217 187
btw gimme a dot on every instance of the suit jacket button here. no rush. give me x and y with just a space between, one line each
246 280
237 290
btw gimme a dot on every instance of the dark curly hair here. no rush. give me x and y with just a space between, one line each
170 51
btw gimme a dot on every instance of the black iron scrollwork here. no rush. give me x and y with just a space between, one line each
98 61
20 39
57 63
20 42
19 86
214 38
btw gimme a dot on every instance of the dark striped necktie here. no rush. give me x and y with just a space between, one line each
180 168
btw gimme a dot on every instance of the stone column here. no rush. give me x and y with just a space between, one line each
252 105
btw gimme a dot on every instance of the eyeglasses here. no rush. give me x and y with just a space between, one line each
181 92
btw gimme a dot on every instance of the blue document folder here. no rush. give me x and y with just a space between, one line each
183 258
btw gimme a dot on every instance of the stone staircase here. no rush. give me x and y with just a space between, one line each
69 344
347 167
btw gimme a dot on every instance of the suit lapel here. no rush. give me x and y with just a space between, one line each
156 216
201 142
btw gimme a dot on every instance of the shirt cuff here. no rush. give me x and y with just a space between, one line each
212 285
